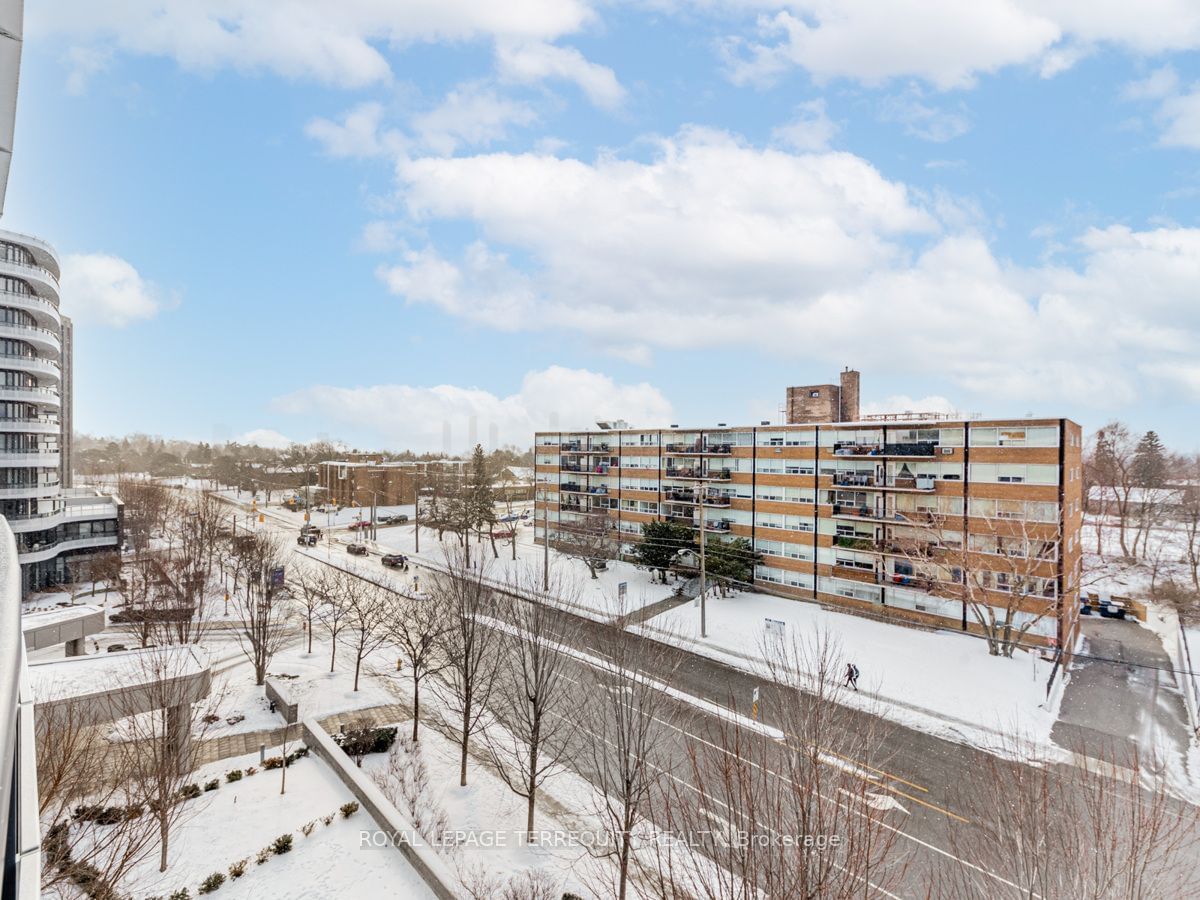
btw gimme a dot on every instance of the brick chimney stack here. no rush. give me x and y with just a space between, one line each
849 395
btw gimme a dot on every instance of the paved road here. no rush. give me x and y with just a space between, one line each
1123 693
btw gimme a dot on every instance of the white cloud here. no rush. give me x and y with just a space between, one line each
417 417
716 244
1180 118
949 43
357 134
527 62
334 44
812 129
922 120
471 114
1160 83
84 63
265 437
97 287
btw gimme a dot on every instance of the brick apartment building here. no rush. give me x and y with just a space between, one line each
360 477
915 517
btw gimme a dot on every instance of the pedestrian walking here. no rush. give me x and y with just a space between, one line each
852 675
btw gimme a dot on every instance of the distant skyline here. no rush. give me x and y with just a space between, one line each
376 220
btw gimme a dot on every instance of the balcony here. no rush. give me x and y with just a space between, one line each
36 425
571 467
44 339
32 364
853 479
41 279
718 501
855 542
919 448
720 526
698 449
680 496
571 487
39 395
925 483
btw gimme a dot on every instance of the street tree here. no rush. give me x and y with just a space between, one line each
535 699
261 600
470 646
417 625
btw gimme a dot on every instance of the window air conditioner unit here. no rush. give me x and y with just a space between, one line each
947 451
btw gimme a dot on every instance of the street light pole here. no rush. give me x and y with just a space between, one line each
545 541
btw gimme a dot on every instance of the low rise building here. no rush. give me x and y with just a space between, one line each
933 520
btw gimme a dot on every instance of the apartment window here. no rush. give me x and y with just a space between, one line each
814 393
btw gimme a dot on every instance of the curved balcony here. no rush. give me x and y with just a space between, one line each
43 520
43 339
39 395
50 551
45 311
45 460
43 254
41 279
30 426
29 492
43 368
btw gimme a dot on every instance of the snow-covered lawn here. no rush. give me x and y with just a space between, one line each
305 678
596 597
486 821
238 819
940 682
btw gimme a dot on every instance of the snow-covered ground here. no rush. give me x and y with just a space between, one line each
238 819
940 682
486 820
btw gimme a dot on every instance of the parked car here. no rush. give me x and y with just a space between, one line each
394 560
503 533
359 524
398 519
320 509
308 539
356 549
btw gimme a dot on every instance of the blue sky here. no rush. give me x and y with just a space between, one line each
282 222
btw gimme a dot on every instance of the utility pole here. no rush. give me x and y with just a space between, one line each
545 541
703 578
417 515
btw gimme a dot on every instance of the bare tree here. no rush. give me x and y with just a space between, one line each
783 820
97 850
314 590
417 625
1073 830
1003 571
470 646
1189 516
1113 460
146 508
371 607
161 720
334 613
625 747
589 539
404 780
261 600
534 699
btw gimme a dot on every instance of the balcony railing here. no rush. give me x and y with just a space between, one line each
916 448
854 542
720 525
853 479
699 449
717 501
913 483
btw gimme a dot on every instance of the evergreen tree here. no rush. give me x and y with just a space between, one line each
481 499
1150 461
659 544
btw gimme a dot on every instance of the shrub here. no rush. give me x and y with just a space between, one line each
251 770
212 785
327 819
262 856
100 815
235 775
297 754
361 741
238 869
307 828
133 811
282 844
189 792
348 809
181 894
211 719
211 883
273 762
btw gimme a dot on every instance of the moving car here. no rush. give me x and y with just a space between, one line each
502 532
394 560
356 549
360 523
308 539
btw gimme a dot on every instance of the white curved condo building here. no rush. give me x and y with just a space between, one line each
57 528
